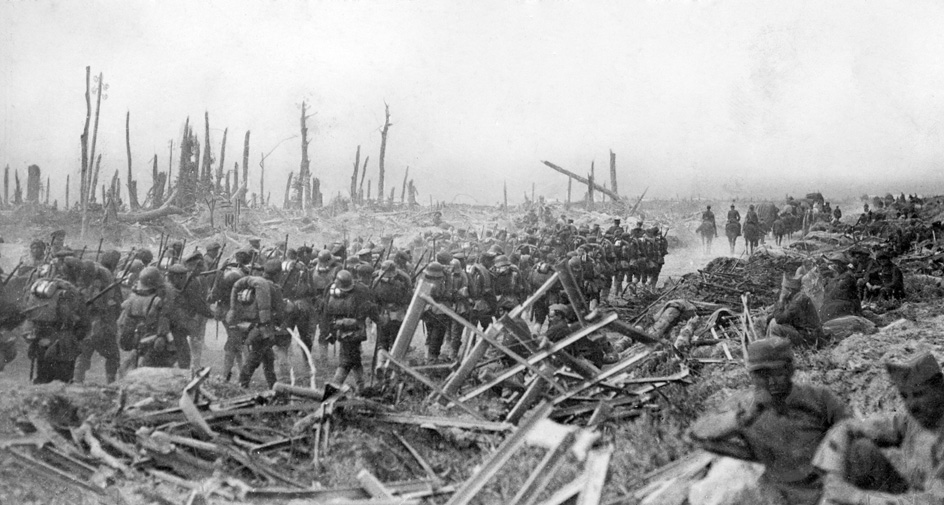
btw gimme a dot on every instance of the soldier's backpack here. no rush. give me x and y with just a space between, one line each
480 281
140 320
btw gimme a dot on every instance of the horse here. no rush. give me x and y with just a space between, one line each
752 234
707 231
778 229
733 230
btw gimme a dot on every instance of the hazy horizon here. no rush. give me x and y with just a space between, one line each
716 99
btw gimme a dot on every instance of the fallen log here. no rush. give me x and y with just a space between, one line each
584 180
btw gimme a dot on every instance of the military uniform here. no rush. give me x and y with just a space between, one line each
60 321
347 307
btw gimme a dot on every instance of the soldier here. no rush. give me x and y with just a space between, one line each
256 312
437 322
221 294
60 321
507 281
143 326
779 424
347 307
860 472
658 250
187 309
842 296
36 258
392 289
615 231
296 288
884 280
540 274
481 290
196 265
57 241
708 228
212 252
732 229
459 280
322 275
103 313
795 317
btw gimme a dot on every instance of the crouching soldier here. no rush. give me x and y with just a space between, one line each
779 424
347 308
891 458
60 321
143 327
256 310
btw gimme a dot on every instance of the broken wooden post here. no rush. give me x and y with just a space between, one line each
17 190
572 290
6 186
590 188
583 180
303 192
570 183
207 175
5 191
383 151
360 187
288 191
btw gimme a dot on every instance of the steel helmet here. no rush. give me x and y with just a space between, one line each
150 278
502 261
434 270
344 281
272 266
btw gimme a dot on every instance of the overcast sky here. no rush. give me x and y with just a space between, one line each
695 98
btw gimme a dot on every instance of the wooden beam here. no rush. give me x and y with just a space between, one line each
584 180
384 355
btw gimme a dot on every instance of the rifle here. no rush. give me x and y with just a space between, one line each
99 251
219 271
17 267
160 247
81 254
416 269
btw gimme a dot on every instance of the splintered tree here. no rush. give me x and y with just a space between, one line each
245 167
17 191
302 182
158 180
360 187
383 151
34 183
406 176
132 184
218 186
357 162
6 185
188 173
206 179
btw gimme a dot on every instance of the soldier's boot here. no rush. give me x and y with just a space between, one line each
229 359
339 376
358 375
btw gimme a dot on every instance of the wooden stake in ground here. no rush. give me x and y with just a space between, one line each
48 186
383 151
505 189
613 172
67 190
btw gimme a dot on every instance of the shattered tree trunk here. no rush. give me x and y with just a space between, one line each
90 195
393 194
84 139
34 182
218 186
48 186
406 176
288 191
570 183
207 179
360 189
302 193
505 191
583 180
6 185
613 172
245 165
357 163
17 190
67 193
383 151
261 176
590 188
132 184
157 185
413 201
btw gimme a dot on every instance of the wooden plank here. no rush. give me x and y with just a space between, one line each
572 290
567 492
600 413
540 356
373 486
598 462
505 451
584 180
532 395
402 366
406 489
446 422
619 367
412 318
494 342
542 474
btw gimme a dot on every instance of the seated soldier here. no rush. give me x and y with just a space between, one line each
885 279
892 458
779 424
795 317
